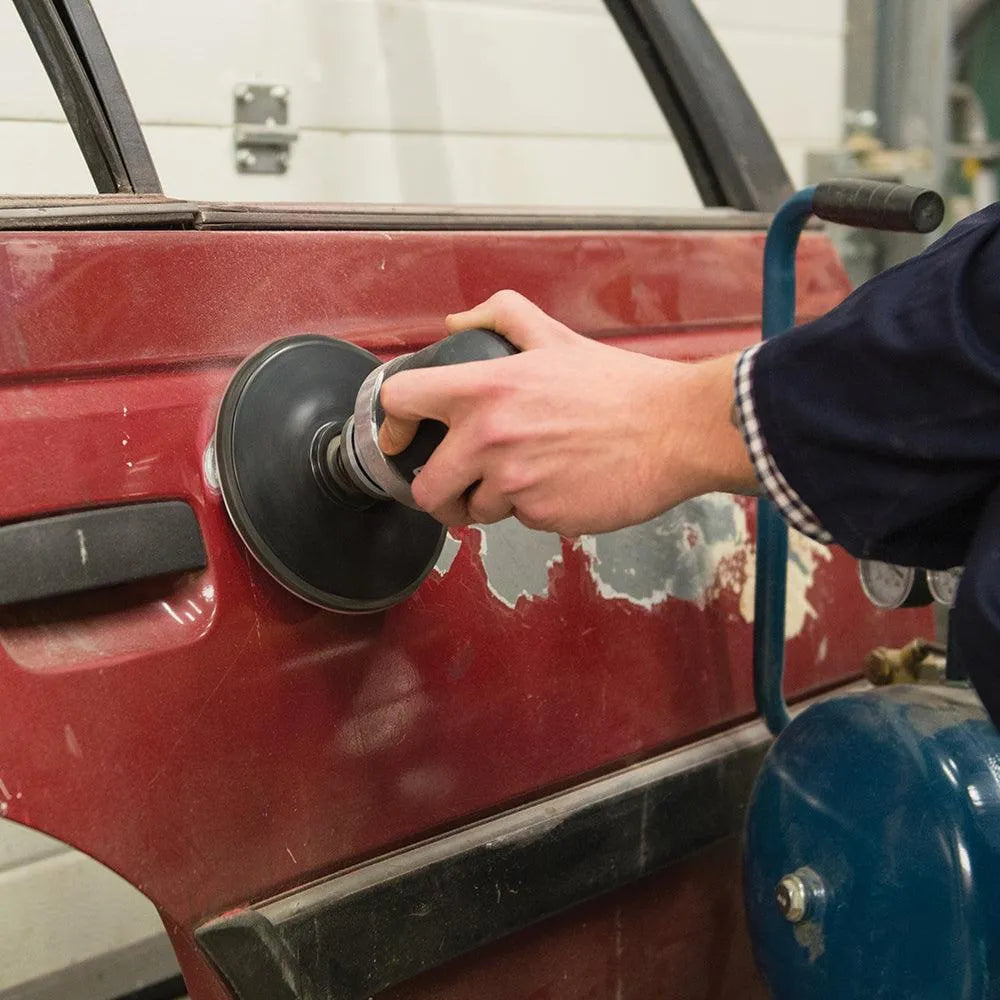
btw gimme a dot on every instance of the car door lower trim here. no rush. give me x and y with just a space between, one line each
384 922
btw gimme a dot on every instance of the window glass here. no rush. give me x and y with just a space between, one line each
471 102
38 152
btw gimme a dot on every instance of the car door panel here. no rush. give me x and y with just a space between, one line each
216 740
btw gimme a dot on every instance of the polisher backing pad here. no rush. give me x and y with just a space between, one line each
324 551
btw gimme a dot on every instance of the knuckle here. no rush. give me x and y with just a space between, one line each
507 301
535 514
494 431
479 512
423 495
511 478
452 515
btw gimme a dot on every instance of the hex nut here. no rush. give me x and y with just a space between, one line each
799 895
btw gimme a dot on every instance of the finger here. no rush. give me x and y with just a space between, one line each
411 396
420 392
396 433
486 505
440 486
516 318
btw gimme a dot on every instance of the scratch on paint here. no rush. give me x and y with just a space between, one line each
253 600
72 743
196 718
4 791
81 538
619 950
292 856
643 836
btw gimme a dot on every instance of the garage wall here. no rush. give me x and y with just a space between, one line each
523 102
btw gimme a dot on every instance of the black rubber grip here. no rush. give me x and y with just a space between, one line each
897 208
459 348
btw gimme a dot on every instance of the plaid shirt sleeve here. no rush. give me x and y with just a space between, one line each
790 505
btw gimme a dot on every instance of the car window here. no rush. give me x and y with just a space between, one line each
523 102
464 102
38 152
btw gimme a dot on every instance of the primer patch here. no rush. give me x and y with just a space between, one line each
678 554
517 560
804 555
448 552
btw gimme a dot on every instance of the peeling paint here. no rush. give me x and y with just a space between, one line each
448 552
694 552
517 560
678 554
804 556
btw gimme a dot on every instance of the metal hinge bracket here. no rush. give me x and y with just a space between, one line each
262 140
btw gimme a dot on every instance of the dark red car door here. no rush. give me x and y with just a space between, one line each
526 780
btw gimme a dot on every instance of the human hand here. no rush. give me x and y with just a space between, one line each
570 435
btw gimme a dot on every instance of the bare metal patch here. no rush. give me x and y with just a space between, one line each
517 560
804 557
448 552
678 554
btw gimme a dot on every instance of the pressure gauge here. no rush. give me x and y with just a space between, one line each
943 584
889 586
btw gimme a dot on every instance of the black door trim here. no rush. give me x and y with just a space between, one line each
730 154
76 56
382 923
104 212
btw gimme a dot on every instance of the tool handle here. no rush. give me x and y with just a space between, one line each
865 204
459 348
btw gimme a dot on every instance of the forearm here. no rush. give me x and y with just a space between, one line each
707 439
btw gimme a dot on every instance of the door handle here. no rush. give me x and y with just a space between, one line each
100 547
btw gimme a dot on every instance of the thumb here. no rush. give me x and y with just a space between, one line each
514 317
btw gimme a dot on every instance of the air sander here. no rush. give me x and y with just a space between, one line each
314 498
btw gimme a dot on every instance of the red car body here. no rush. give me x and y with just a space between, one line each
238 754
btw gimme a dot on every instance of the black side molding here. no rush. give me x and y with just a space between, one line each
358 933
72 553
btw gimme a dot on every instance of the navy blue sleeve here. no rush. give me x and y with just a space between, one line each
884 415
975 621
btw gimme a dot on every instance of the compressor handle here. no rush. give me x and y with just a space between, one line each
459 348
868 204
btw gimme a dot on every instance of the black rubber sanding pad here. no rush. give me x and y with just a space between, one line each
326 552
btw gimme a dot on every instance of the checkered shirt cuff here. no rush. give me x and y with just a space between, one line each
790 505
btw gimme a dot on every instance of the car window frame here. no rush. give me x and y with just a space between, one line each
71 45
